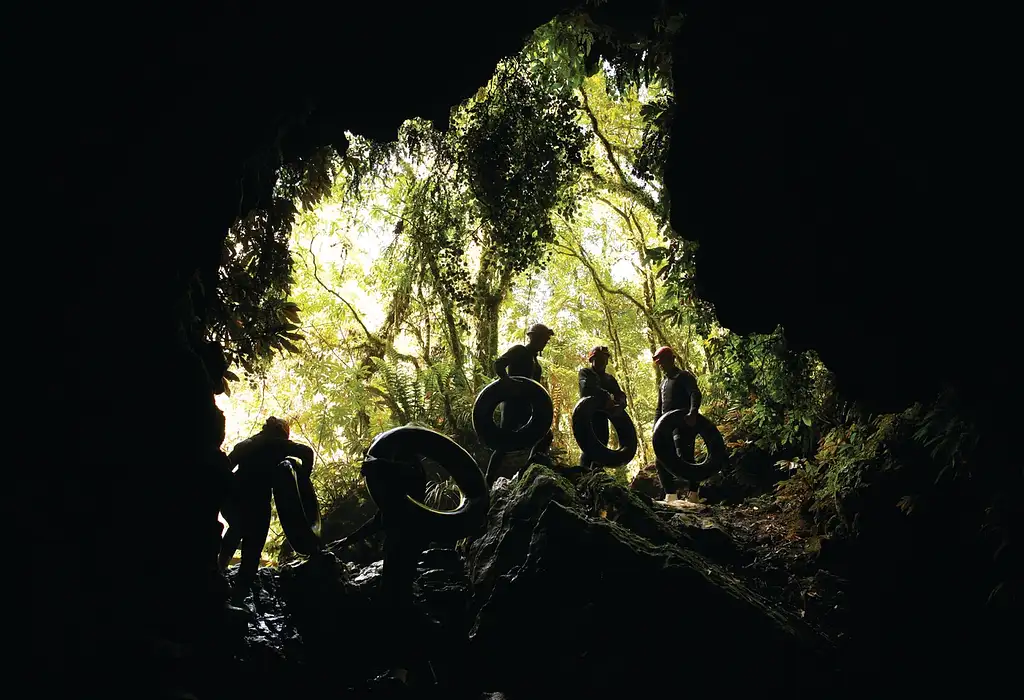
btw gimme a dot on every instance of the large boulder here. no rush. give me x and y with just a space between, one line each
558 576
515 507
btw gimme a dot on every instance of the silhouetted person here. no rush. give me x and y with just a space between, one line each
678 391
403 547
595 381
247 509
521 361
399 560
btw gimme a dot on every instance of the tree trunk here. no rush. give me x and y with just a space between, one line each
451 325
491 288
487 310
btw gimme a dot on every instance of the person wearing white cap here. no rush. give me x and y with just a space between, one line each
521 361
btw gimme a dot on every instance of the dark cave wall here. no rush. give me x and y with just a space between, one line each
826 158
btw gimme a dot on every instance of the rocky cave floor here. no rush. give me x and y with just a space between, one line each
783 562
571 589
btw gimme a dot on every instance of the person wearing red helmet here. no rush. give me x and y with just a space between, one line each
595 381
247 509
678 391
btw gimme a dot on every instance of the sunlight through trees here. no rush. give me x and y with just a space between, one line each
430 255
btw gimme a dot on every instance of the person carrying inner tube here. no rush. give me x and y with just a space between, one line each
595 381
403 547
247 508
407 478
521 361
678 391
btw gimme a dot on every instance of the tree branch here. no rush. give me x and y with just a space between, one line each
625 189
396 410
652 322
370 336
625 183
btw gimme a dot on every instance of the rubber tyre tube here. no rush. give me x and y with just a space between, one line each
405 444
504 439
665 450
583 430
297 508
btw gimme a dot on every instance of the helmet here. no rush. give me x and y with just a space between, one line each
663 352
599 350
540 329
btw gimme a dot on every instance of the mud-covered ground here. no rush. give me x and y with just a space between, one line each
782 560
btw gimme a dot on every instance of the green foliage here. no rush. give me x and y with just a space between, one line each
872 472
542 202
640 54
249 314
443 495
419 250
781 394
521 148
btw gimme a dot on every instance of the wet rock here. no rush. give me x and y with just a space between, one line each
572 587
332 606
442 589
447 559
515 507
657 522
606 498
707 536
366 579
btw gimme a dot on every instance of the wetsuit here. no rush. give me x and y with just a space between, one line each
594 383
247 509
679 392
521 362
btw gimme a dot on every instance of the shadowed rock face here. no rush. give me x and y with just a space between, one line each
570 592
817 158
574 585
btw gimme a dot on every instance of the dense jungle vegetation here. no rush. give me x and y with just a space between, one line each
380 286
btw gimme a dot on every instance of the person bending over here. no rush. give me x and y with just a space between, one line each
247 509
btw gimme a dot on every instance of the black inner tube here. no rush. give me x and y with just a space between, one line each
297 508
407 444
520 389
665 450
583 415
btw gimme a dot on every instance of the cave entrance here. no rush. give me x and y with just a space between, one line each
384 283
